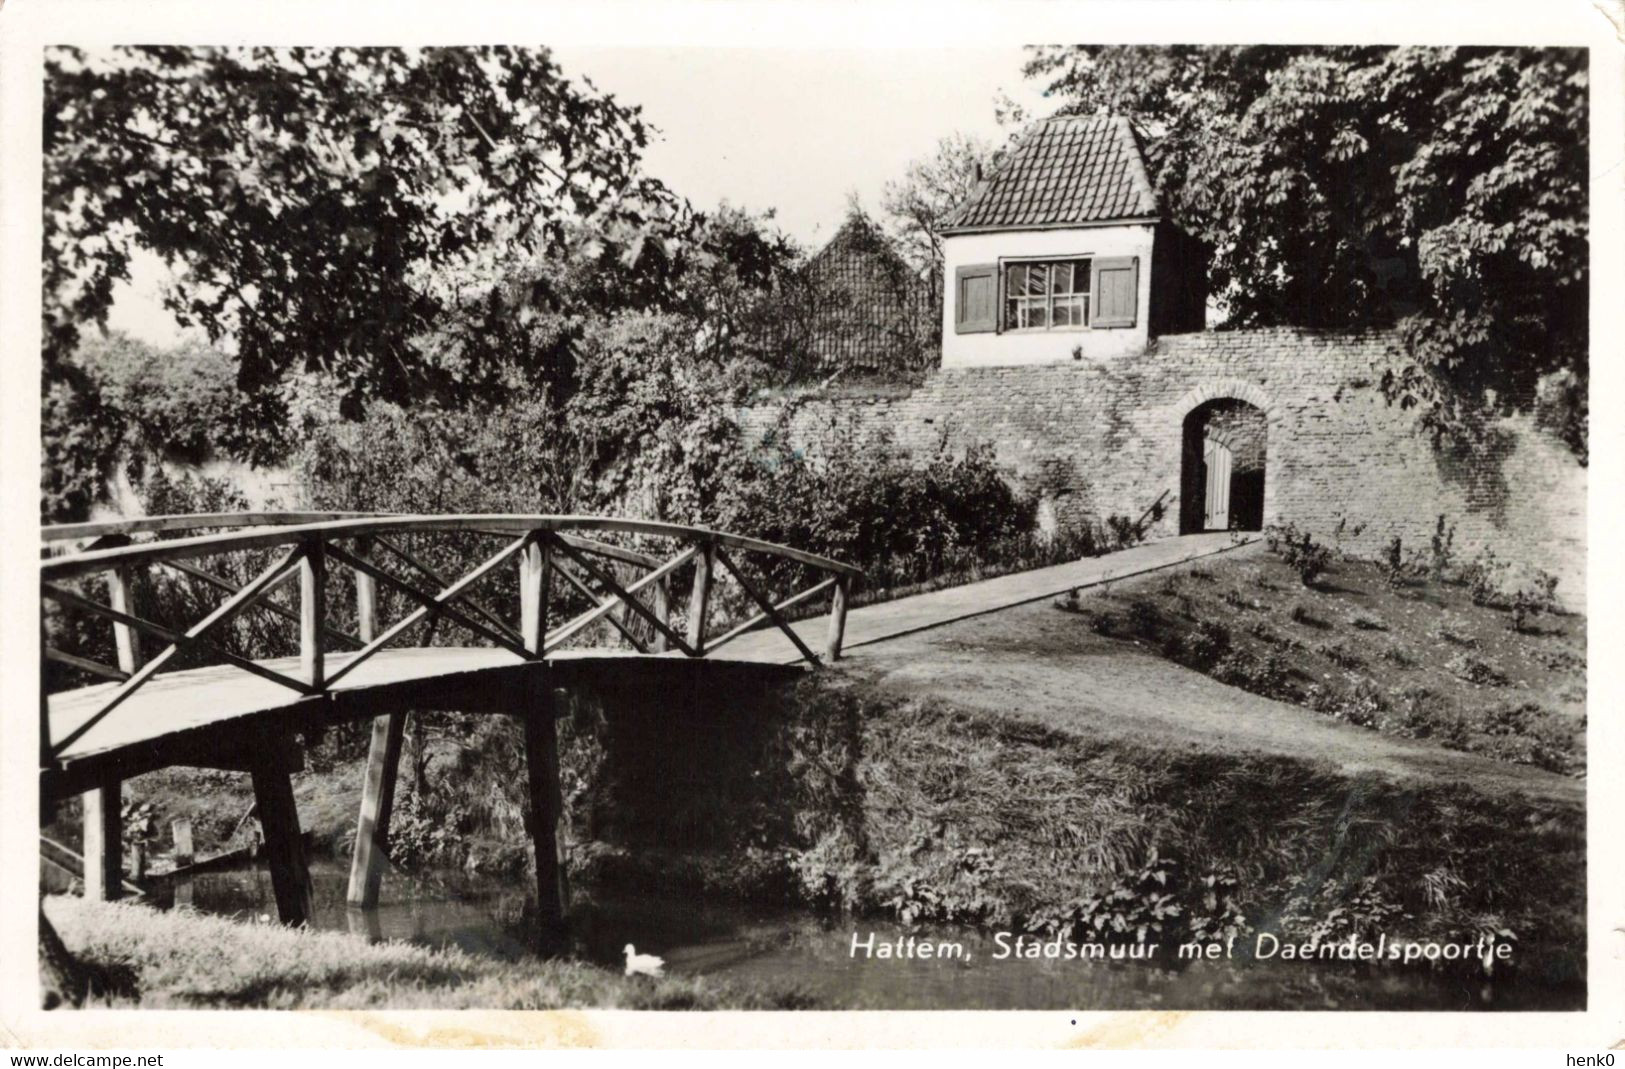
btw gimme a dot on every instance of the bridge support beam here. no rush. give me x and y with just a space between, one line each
377 802
546 810
104 841
284 846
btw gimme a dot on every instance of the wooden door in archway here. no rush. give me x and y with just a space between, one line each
1216 465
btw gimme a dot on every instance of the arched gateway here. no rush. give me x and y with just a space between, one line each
1223 459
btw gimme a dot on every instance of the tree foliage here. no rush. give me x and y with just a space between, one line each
342 211
1442 190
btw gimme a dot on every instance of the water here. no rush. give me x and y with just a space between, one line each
778 949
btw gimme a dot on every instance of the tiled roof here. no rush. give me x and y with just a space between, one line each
1068 169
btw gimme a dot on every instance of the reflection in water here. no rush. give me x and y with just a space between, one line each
780 948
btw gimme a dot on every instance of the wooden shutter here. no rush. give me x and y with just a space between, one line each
1116 291
976 298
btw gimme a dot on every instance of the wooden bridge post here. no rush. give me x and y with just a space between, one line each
284 845
383 766
104 841
103 807
534 563
542 749
837 619
312 610
661 597
546 810
705 565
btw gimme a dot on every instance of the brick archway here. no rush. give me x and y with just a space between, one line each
1218 389
1240 417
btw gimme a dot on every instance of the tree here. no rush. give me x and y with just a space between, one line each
915 204
341 211
1441 190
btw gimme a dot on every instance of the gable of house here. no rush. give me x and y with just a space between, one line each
1063 253
872 310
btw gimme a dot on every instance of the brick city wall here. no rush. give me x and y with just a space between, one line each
1094 440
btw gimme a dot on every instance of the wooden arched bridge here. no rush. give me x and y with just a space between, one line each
206 663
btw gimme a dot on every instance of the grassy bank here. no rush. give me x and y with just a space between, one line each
1404 654
183 960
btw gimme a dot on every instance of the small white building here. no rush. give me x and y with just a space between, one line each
1063 253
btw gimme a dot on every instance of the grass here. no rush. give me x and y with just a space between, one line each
1424 660
1061 817
184 960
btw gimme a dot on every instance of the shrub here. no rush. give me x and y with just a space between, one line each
1530 734
1441 550
1446 633
1143 618
1422 714
1140 907
1397 657
1476 670
1203 647
1237 600
1483 577
1301 614
1340 654
1267 675
1300 551
1534 598
1362 704
1368 623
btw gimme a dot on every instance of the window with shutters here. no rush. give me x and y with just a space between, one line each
1046 295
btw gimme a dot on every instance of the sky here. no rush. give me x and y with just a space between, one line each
793 130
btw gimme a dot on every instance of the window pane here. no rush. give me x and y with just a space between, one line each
1062 316
1037 279
1011 316
1085 320
1060 278
1082 274
1036 315
1015 280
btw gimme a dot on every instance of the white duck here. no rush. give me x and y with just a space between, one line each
643 964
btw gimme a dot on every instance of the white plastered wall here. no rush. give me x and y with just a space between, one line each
995 349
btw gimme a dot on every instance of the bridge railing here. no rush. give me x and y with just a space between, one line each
626 588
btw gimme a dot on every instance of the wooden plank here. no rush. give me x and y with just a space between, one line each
284 846
767 606
762 617
104 840
699 600
837 620
85 664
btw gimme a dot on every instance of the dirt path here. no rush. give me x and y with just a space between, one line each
1036 662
